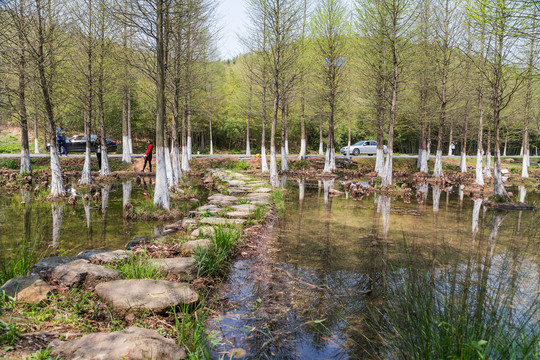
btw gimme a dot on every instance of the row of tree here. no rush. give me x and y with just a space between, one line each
394 70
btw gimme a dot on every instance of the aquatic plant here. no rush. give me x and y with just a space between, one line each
18 261
214 259
138 266
278 199
459 313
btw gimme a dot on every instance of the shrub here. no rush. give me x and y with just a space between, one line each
139 266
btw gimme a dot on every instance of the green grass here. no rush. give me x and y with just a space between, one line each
190 330
17 262
259 214
237 165
278 200
299 165
214 260
138 266
44 354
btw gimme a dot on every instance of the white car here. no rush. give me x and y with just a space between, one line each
368 147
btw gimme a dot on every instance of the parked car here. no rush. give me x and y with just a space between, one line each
77 143
368 147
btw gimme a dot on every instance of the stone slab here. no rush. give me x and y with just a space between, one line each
43 266
80 272
190 246
185 268
221 221
29 289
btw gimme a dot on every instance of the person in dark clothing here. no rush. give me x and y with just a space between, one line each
61 140
148 156
98 153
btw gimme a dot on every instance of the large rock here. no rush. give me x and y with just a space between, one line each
236 183
185 268
133 343
202 231
79 272
263 190
141 295
238 214
188 223
44 266
244 207
103 256
190 246
28 289
258 198
138 240
221 221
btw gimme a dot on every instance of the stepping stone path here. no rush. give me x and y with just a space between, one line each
29 289
80 272
202 231
222 200
133 343
44 266
146 295
183 267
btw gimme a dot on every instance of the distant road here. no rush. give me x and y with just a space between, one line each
81 155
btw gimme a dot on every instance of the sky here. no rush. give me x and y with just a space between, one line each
233 19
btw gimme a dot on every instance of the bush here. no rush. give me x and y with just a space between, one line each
9 164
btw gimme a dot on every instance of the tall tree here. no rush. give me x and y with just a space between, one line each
330 31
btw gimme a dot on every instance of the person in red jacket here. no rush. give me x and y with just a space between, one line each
148 156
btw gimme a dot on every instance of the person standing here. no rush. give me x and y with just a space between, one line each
98 153
61 140
148 156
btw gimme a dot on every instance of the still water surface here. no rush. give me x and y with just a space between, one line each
333 260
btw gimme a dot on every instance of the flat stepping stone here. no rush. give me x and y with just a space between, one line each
257 195
222 200
189 246
29 289
235 183
263 190
183 267
244 207
103 257
221 221
239 191
133 343
46 265
238 214
79 272
188 223
208 208
203 231
142 295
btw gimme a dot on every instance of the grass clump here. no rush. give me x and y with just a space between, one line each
9 333
139 266
214 259
259 214
237 165
17 262
299 165
190 330
278 200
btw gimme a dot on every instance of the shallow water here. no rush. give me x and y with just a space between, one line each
64 229
332 260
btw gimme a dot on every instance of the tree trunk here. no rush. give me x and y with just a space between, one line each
264 164
185 156
487 168
248 149
161 191
23 115
463 159
284 163
86 174
274 178
330 157
321 147
36 135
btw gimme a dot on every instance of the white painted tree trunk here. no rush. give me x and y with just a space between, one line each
171 181
177 167
329 161
463 163
379 161
479 176
504 151
521 151
185 160
57 218
274 178
284 163
248 149
303 149
211 147
189 148
437 170
283 181
436 198
105 168
348 153
161 190
424 162
126 192
385 203
25 161
126 151
301 189
36 145
388 168
419 160
264 162
130 144
321 149
487 168
86 175
287 147
525 165
57 184
428 149
327 186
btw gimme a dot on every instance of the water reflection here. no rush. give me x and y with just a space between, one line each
57 210
308 294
